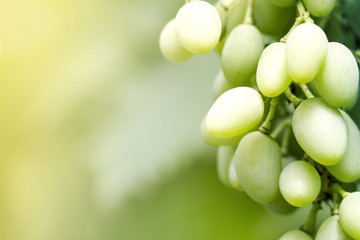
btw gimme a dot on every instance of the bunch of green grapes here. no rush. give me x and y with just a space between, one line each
279 117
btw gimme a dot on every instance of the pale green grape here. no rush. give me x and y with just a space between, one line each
170 46
320 131
320 8
348 169
234 180
258 165
198 26
215 141
271 19
224 157
283 3
338 79
280 206
271 75
235 112
241 54
331 229
306 50
221 85
299 183
349 214
295 235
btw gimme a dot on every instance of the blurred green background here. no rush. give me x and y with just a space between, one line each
100 134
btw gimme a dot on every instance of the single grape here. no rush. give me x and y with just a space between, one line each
331 229
271 75
320 8
283 3
224 157
271 19
198 26
170 46
306 50
320 131
295 235
234 180
348 169
235 112
221 85
215 141
349 214
258 165
241 54
338 79
299 183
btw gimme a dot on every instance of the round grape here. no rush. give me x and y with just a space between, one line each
349 214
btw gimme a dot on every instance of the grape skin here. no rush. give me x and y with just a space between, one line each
234 180
320 8
349 214
331 229
224 157
306 49
170 46
295 235
283 3
198 26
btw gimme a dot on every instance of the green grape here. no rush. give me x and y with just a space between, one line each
320 131
271 19
234 180
306 50
295 235
348 169
170 46
224 156
320 8
198 26
215 141
258 165
241 54
331 229
280 206
349 214
221 85
299 183
283 3
271 75
235 112
338 79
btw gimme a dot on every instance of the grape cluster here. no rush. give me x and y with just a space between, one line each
279 117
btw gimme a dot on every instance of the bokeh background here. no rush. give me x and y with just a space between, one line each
100 134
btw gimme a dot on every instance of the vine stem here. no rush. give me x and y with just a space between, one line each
309 225
340 190
292 98
266 126
248 14
303 16
335 202
306 90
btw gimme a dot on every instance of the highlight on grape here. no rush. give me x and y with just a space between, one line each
280 81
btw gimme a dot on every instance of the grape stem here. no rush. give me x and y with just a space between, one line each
248 14
340 190
335 199
292 98
302 16
285 122
285 142
309 225
306 90
266 126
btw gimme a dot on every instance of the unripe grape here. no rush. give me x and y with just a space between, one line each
170 46
271 19
221 85
306 50
348 169
320 8
331 229
349 214
224 157
258 165
271 75
299 183
198 26
338 79
235 112
295 235
241 54
283 3
320 131
234 180
215 141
